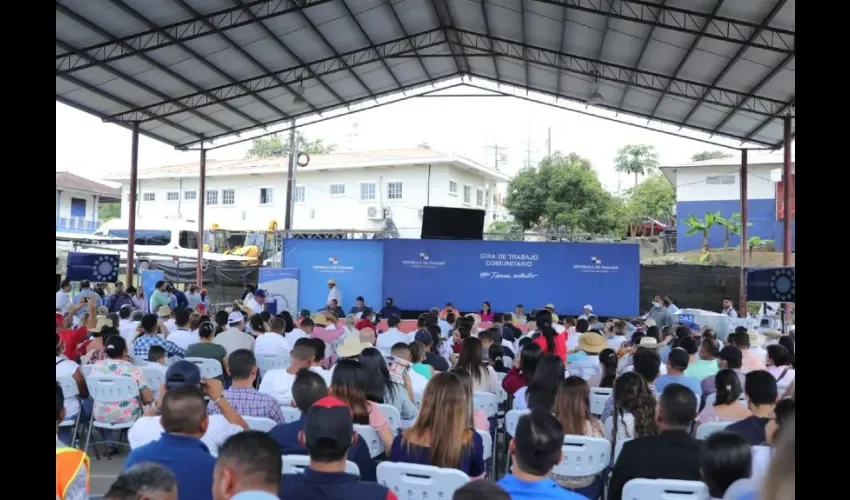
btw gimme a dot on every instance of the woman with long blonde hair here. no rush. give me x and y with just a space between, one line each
477 416
572 409
442 435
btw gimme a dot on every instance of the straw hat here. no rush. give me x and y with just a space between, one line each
102 310
163 311
592 342
351 347
649 322
756 339
101 322
321 319
773 335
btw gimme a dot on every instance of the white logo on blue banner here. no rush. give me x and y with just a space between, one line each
596 265
281 286
92 267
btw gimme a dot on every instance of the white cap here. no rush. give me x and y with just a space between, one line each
588 307
235 317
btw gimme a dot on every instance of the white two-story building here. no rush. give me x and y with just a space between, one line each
77 200
339 191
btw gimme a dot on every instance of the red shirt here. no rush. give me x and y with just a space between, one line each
363 323
71 338
560 346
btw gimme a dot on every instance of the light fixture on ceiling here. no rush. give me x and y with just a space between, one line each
299 93
596 98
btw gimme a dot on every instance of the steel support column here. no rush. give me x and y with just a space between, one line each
786 193
742 295
290 179
202 188
131 212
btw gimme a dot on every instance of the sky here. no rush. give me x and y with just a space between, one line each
468 126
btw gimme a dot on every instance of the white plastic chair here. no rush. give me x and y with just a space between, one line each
487 441
598 397
501 376
295 464
583 456
259 423
70 390
86 370
740 488
502 394
709 428
290 414
512 419
486 402
372 439
155 379
267 362
417 397
138 361
420 482
665 489
393 415
110 389
210 368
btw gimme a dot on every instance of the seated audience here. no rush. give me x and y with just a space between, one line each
521 374
402 365
180 449
726 458
151 325
761 392
779 365
633 414
235 337
478 490
541 392
549 340
728 357
585 363
607 369
417 357
382 389
706 363
248 467
72 465
780 481
536 450
144 481
677 363
783 416
278 383
672 454
750 361
431 338
273 342
205 347
646 363
220 427
572 409
156 361
67 368
242 396
182 335
349 379
328 434
726 407
479 418
442 435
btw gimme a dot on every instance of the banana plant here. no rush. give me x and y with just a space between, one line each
753 242
731 227
702 226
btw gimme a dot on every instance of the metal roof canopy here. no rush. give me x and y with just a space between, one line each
192 71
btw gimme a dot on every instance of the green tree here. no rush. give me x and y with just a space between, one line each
654 198
731 227
710 155
278 145
564 191
108 211
636 159
702 226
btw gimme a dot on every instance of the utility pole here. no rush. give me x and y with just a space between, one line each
549 142
290 179
497 154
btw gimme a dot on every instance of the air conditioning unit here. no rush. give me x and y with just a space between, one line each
374 212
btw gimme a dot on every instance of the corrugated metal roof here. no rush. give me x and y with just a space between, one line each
73 182
753 158
333 161
190 70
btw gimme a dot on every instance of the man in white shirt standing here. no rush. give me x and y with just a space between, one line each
257 302
63 296
181 335
333 293
392 336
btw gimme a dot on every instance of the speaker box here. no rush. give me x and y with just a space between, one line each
450 223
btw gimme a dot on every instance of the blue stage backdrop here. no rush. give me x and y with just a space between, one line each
95 267
149 279
420 274
354 264
281 286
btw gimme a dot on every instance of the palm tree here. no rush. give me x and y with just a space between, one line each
731 227
702 226
637 159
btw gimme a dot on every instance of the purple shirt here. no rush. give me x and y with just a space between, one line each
708 387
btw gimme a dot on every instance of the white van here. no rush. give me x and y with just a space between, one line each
155 236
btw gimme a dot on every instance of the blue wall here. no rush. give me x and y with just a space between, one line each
762 215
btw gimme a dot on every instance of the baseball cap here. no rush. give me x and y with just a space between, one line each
260 293
331 281
424 337
114 345
328 419
588 307
730 353
235 317
549 306
182 373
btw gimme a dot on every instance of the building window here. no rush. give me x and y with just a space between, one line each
395 190
172 196
467 194
266 196
337 189
453 188
148 196
212 197
720 179
228 196
479 197
300 193
367 191
190 195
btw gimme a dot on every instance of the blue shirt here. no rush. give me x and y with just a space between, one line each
751 428
545 489
186 457
691 383
312 485
286 436
471 461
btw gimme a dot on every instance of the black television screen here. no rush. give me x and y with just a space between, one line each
452 223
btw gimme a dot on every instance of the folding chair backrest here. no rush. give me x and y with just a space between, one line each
112 388
665 489
709 428
86 370
290 414
372 439
155 379
598 397
295 464
393 415
583 456
486 402
420 482
268 362
512 419
69 386
259 423
210 368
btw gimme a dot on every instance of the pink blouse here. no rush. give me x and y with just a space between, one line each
377 418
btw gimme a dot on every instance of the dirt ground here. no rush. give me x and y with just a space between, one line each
729 257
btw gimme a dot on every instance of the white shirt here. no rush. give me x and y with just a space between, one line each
759 351
391 337
418 382
66 368
335 294
170 325
616 341
148 429
233 339
293 336
326 374
271 344
63 300
254 305
183 338
127 329
278 384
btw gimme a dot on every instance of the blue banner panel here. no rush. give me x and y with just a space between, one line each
95 267
604 275
281 286
149 279
355 265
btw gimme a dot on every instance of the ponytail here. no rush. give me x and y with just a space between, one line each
544 326
608 359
